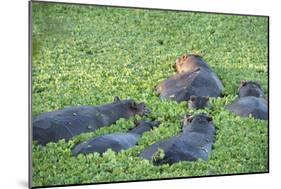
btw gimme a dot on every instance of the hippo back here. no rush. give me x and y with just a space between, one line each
200 82
250 105
115 142
185 147
77 120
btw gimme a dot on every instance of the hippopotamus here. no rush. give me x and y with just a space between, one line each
250 101
250 106
189 62
194 77
198 102
250 88
115 141
69 122
195 142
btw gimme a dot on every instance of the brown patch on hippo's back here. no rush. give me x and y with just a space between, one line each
181 60
187 62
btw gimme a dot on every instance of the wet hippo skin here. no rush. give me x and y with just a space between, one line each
115 141
194 78
195 142
69 122
250 101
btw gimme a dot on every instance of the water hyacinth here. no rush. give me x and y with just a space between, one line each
86 55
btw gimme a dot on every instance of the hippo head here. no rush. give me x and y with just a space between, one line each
139 108
250 88
149 124
198 102
195 122
135 108
189 62
144 126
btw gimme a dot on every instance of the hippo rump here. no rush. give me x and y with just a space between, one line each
115 141
250 101
250 106
194 143
199 82
194 78
72 121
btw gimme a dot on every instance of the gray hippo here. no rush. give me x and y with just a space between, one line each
194 78
195 142
250 88
69 122
198 102
250 102
115 141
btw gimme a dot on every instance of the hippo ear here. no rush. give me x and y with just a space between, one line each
188 118
192 98
116 99
209 119
134 105
185 56
243 83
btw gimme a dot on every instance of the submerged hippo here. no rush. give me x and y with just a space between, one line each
250 106
194 143
115 141
187 63
250 88
194 78
69 122
250 102
198 102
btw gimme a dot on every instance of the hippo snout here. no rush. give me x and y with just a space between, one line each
147 111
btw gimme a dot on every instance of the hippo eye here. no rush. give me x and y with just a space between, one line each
133 105
192 98
209 119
